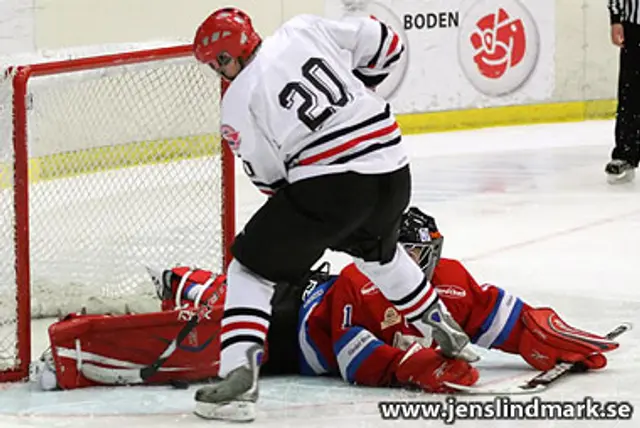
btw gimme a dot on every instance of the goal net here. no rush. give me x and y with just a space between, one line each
108 164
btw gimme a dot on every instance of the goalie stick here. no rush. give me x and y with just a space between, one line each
124 376
539 382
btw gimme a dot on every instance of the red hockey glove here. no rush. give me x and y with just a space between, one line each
546 340
428 369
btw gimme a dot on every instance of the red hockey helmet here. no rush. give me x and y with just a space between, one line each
226 34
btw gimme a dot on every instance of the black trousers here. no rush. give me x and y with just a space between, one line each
349 212
355 213
627 131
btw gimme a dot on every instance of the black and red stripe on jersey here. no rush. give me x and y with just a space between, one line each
269 189
388 54
346 144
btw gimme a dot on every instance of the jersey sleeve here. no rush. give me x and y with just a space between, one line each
362 357
375 46
489 314
241 129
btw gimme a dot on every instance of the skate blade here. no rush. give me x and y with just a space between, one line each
625 177
234 411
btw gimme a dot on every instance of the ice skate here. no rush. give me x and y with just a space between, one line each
619 171
453 341
233 398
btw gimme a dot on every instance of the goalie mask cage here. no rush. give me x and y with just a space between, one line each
108 165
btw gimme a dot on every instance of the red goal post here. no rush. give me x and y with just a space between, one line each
109 164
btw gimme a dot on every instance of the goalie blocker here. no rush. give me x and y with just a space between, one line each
133 341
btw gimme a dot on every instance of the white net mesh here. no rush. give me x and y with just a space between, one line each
125 172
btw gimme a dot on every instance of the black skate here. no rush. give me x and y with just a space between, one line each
619 171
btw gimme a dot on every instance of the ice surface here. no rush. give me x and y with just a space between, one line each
525 208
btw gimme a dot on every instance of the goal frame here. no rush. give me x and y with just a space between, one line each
20 80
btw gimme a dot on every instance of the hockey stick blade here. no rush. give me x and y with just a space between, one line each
536 384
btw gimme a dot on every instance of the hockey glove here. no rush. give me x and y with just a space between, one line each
546 340
427 369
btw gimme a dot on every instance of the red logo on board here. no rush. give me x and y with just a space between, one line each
500 42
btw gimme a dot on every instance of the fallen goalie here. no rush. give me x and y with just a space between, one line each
335 325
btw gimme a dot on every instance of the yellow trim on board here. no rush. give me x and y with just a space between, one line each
458 120
100 159
72 164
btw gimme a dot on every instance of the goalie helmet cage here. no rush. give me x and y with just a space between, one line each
116 163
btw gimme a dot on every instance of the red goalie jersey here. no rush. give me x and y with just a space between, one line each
347 326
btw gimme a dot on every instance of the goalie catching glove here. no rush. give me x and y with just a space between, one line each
546 340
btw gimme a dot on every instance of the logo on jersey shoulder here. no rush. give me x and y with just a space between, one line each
391 318
231 136
309 289
369 289
312 296
451 291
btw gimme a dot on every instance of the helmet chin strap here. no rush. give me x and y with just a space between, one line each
223 74
230 79
243 64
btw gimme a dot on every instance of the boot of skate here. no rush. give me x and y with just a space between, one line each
453 341
234 398
619 171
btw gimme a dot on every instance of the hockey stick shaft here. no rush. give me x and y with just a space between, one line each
562 369
147 372
539 382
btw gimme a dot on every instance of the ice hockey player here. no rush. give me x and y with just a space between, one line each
347 326
301 114
338 325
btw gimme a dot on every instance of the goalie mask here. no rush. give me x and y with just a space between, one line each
420 237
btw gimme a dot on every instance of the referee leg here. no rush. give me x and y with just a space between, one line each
627 130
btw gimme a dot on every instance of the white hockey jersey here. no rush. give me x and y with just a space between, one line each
297 110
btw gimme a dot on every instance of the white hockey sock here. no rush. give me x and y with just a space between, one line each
403 283
247 313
